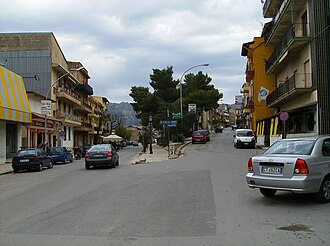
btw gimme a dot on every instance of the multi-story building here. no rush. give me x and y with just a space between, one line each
296 36
103 120
289 33
257 87
64 83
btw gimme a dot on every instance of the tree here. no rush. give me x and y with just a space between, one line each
123 132
165 98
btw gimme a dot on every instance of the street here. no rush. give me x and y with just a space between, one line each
199 199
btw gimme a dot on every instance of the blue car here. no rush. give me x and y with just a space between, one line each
60 154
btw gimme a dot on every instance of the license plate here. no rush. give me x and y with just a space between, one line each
246 143
24 160
97 155
272 170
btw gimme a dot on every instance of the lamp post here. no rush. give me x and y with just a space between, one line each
181 110
51 86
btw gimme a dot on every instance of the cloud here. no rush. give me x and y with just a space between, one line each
120 41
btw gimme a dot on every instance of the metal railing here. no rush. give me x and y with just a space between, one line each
295 30
297 81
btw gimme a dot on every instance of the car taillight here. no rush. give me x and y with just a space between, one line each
250 166
301 167
110 154
86 155
13 160
36 158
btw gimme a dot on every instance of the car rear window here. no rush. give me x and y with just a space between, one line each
26 152
198 133
100 148
244 134
294 147
56 149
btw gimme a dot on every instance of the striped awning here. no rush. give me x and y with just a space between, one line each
14 104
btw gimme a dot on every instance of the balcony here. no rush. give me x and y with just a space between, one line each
249 75
84 107
269 9
284 14
68 96
295 38
68 118
85 88
85 127
297 85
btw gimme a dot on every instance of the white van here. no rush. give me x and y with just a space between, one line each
244 138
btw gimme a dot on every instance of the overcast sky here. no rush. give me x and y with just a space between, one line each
120 41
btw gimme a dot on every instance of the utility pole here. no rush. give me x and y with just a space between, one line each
150 127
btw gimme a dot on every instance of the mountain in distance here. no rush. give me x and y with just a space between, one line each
124 113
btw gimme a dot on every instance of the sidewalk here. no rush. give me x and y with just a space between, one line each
6 167
158 154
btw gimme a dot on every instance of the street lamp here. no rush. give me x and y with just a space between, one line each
77 69
201 65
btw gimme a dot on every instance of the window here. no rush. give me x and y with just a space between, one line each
326 147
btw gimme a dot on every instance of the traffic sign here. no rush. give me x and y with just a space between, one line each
284 116
46 107
61 133
176 115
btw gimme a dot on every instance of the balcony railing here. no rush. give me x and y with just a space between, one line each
292 87
295 31
68 116
69 92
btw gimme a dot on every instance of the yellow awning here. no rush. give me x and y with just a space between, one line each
14 104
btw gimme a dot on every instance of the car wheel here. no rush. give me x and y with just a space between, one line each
268 192
50 165
15 170
40 167
87 166
324 193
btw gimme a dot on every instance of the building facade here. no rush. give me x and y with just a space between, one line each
15 114
62 82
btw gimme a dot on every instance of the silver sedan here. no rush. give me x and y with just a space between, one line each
300 165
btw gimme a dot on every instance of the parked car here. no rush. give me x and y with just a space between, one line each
300 165
207 134
135 143
218 129
31 158
244 138
101 155
60 154
198 137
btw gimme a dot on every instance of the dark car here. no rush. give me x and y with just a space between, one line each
198 137
218 129
31 159
101 155
60 154
207 134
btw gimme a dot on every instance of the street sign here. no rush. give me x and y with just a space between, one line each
176 115
192 107
46 107
284 116
61 133
168 123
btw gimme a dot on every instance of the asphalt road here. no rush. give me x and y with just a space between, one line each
199 199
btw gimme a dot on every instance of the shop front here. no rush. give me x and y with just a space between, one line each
15 113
